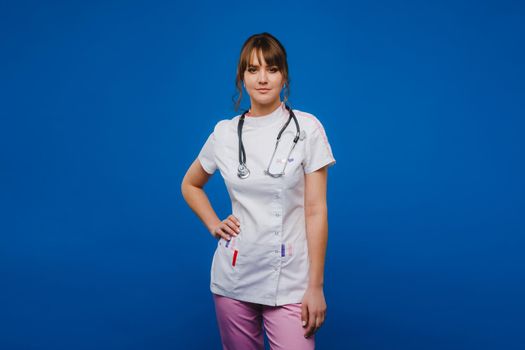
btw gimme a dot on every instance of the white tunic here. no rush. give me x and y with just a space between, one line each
268 262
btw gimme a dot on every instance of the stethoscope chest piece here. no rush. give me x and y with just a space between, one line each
302 135
242 171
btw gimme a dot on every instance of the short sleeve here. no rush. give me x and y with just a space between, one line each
207 155
318 151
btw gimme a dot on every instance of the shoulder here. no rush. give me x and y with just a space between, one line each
308 121
224 127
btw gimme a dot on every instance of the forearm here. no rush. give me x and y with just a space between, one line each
198 202
317 237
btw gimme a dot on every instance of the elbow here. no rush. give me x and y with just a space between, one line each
184 187
315 210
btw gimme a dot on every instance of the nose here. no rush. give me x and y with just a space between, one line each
262 76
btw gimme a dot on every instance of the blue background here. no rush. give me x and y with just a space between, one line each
104 105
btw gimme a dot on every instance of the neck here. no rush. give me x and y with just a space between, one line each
257 109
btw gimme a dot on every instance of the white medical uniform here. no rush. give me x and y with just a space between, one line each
268 262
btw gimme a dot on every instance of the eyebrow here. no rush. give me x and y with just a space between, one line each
256 65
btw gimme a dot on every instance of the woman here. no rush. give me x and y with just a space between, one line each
269 261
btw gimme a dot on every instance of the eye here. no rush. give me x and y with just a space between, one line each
274 69
251 69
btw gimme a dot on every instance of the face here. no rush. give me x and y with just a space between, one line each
263 83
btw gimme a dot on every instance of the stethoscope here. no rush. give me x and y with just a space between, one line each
243 172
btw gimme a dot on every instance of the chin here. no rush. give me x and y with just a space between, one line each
266 99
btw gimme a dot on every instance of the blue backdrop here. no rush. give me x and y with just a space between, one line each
104 105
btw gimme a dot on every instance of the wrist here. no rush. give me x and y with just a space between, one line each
316 285
212 225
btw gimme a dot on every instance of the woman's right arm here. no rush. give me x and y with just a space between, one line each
192 190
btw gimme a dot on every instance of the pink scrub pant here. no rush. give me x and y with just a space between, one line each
240 325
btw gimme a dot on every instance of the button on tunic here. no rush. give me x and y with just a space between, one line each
267 263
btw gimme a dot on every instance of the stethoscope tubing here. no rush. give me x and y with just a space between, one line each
243 171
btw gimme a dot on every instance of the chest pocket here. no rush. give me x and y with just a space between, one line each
288 159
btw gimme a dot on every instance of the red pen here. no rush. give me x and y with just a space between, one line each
234 257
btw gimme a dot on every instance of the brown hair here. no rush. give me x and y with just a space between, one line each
274 54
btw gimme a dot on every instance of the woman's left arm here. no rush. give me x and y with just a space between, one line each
316 215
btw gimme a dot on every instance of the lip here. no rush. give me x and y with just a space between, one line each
263 90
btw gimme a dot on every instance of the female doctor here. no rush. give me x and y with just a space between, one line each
267 272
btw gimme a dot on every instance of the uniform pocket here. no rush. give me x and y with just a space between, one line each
295 267
256 269
223 270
